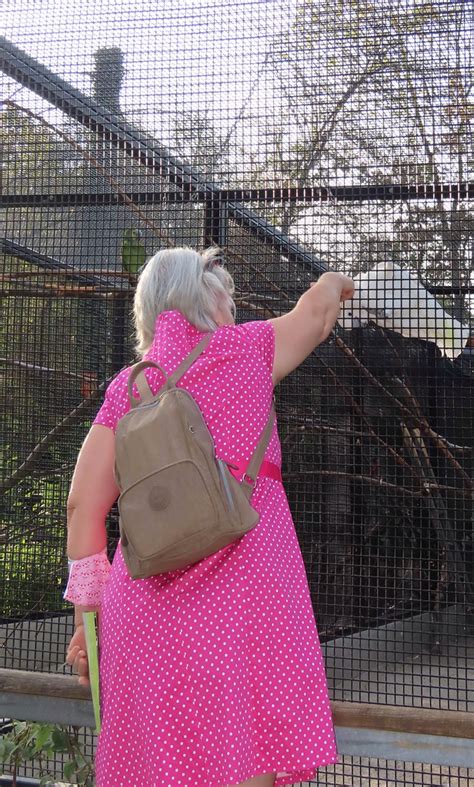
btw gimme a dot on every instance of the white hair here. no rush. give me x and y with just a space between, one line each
180 278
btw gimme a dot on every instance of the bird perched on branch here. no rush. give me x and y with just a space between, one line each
133 253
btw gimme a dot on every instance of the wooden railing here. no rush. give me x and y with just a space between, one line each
421 721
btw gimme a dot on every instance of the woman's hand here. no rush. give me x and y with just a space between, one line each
345 282
348 287
76 655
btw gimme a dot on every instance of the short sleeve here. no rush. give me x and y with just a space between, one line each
261 334
115 403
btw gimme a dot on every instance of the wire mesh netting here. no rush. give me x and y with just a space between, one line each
299 136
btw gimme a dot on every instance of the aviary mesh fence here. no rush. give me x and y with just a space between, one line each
299 135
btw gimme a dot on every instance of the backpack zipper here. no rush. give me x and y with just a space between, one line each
225 483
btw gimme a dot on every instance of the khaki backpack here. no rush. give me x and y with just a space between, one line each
178 502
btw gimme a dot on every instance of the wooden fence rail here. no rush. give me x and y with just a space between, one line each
418 735
389 718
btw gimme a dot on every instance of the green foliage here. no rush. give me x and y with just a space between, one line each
36 741
33 512
32 554
34 153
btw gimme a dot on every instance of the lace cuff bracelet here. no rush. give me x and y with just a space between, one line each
87 578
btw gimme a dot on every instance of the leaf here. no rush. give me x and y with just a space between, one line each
43 737
80 760
60 740
28 751
19 727
69 770
6 748
17 752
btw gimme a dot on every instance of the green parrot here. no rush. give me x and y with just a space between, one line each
133 252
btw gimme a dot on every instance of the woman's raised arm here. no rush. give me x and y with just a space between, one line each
309 323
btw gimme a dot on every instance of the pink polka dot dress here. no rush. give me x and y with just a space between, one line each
212 674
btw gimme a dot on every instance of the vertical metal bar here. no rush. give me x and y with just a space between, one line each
215 221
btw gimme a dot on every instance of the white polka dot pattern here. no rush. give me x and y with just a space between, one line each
212 674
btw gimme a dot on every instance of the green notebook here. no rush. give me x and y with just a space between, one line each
90 629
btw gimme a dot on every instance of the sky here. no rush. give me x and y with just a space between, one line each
180 55
188 57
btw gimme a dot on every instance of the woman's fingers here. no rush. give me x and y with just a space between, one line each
82 668
71 654
348 286
81 663
77 659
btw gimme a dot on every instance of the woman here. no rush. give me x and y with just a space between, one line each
211 675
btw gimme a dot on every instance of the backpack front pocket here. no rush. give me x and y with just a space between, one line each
166 507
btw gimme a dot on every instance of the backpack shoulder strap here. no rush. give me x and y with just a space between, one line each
189 360
254 465
137 376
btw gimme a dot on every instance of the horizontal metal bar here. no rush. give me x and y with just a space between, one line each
104 286
25 253
397 718
406 747
21 781
98 199
53 710
351 741
98 294
308 194
450 290
361 741
355 193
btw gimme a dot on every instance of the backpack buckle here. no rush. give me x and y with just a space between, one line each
237 469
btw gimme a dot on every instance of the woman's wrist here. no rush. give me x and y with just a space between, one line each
87 579
79 609
71 561
78 615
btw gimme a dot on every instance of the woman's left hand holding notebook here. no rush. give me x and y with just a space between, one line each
76 655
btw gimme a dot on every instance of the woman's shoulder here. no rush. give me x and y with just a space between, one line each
257 336
118 386
115 403
252 331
